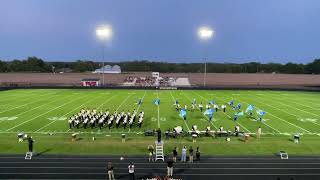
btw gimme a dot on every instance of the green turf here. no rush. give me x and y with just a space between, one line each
42 111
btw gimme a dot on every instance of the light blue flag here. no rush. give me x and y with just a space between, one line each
239 106
183 113
157 102
261 114
250 108
231 102
212 101
240 113
209 112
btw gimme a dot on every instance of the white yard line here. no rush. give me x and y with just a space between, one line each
183 120
297 99
291 113
280 118
71 111
301 100
158 110
295 107
109 99
231 118
139 106
43 113
203 114
124 101
142 101
23 112
264 124
13 97
28 103
120 106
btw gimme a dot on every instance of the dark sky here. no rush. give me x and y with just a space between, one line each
245 30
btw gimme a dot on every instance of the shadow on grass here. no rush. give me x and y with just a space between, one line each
43 152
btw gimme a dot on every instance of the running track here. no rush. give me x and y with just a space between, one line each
222 168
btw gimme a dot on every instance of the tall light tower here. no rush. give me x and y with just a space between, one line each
205 34
104 34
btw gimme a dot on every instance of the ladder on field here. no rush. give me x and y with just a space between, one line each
28 156
159 151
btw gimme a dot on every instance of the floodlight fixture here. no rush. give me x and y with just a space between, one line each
104 32
205 33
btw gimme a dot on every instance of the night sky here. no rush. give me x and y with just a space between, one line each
161 30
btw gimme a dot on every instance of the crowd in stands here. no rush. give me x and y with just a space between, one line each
145 81
166 81
148 81
129 79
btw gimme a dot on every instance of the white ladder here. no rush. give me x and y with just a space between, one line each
159 151
28 155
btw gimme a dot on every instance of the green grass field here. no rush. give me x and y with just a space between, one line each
42 111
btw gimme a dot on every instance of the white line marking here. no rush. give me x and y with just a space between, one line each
297 109
231 118
203 114
124 101
42 114
158 110
279 117
27 103
182 120
39 106
71 111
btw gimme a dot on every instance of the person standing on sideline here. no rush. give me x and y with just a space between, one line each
175 154
30 144
191 155
131 171
169 167
198 154
184 154
259 131
150 153
110 171
159 135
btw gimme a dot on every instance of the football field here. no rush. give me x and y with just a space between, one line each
44 113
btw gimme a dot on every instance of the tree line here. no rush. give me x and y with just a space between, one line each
34 64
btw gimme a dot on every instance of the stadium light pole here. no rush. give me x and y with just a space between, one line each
205 34
103 33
